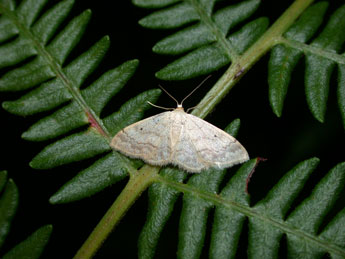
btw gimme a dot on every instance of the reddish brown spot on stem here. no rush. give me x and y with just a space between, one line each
94 124
258 160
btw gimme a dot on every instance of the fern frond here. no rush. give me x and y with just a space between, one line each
50 84
321 59
56 84
269 218
206 46
33 246
208 43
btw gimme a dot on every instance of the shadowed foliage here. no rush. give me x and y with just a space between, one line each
30 248
207 42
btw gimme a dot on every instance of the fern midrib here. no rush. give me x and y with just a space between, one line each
55 66
309 49
250 212
221 38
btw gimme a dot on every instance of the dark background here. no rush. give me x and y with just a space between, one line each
283 141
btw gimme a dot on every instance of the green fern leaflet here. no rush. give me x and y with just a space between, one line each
207 43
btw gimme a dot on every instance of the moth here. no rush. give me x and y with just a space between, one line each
181 139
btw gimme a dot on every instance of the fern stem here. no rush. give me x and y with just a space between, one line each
241 65
310 49
135 186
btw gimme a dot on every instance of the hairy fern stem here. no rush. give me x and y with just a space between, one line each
136 185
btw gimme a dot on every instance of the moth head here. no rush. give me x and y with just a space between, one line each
179 104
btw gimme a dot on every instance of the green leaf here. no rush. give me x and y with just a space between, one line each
233 127
227 224
20 49
38 70
33 246
200 34
72 115
27 76
56 92
315 209
320 61
67 39
194 213
177 16
28 10
100 92
103 173
113 167
45 27
76 147
284 59
216 56
153 3
208 40
276 201
7 29
281 64
162 199
276 205
132 111
318 70
318 75
8 205
334 233
320 201
15 52
341 92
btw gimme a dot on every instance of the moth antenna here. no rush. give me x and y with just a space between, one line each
196 88
172 97
191 108
160 107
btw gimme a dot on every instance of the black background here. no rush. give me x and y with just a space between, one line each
283 141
